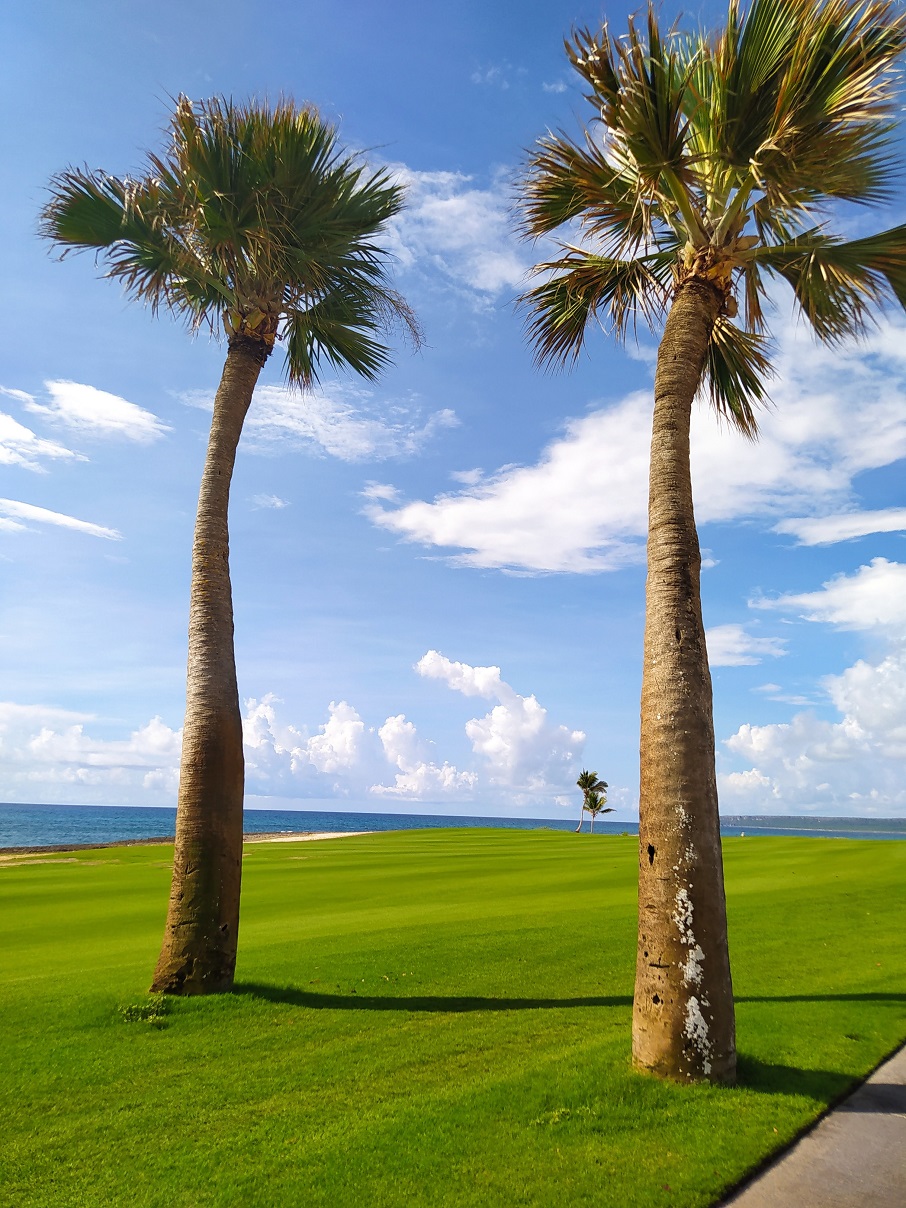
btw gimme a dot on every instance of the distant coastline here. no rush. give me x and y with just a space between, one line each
26 826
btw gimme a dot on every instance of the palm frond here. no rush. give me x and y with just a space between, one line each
584 287
340 330
837 282
251 209
565 182
640 86
736 374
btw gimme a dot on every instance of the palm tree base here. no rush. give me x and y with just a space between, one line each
211 972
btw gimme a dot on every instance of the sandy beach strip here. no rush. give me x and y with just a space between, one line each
9 853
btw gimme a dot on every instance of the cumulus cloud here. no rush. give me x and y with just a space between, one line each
418 775
19 446
855 765
338 419
520 747
29 511
524 757
460 231
582 507
874 598
283 757
732 646
98 413
54 749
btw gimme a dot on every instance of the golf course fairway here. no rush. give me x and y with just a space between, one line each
436 1017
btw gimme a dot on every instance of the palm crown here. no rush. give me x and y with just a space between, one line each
718 158
255 219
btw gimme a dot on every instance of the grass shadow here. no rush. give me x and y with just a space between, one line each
879 996
353 1001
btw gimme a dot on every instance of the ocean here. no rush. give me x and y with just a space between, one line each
23 825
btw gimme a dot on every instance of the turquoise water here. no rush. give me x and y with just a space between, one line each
24 825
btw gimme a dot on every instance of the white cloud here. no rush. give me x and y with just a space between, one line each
826 530
338 419
380 490
48 751
874 598
557 86
282 754
583 505
337 746
856 765
521 748
418 775
269 501
28 511
97 412
460 231
19 446
732 646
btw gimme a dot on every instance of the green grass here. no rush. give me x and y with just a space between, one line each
424 1018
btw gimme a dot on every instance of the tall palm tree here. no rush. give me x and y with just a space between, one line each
588 782
252 218
713 163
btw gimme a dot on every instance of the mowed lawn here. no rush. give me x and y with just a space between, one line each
424 1018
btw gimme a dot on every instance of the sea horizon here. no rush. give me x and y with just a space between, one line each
26 824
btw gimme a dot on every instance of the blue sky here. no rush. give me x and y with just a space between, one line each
438 580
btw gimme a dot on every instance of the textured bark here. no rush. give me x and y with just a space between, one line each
683 1024
199 949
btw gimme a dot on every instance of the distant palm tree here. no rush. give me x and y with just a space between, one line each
588 782
710 162
255 219
594 803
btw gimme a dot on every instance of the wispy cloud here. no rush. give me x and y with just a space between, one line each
28 511
19 446
94 412
269 501
459 232
343 421
827 530
733 646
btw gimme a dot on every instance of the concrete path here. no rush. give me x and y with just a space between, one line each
854 1158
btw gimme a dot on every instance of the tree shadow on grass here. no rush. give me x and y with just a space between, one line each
823 1086
353 1001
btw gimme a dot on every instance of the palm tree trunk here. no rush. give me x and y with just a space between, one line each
581 819
199 949
683 1024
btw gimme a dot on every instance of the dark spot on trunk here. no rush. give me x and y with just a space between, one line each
655 999
651 851
224 928
679 636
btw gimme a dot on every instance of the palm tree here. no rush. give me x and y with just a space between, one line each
253 217
594 803
588 782
713 163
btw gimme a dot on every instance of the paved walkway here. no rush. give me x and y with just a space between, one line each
854 1158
